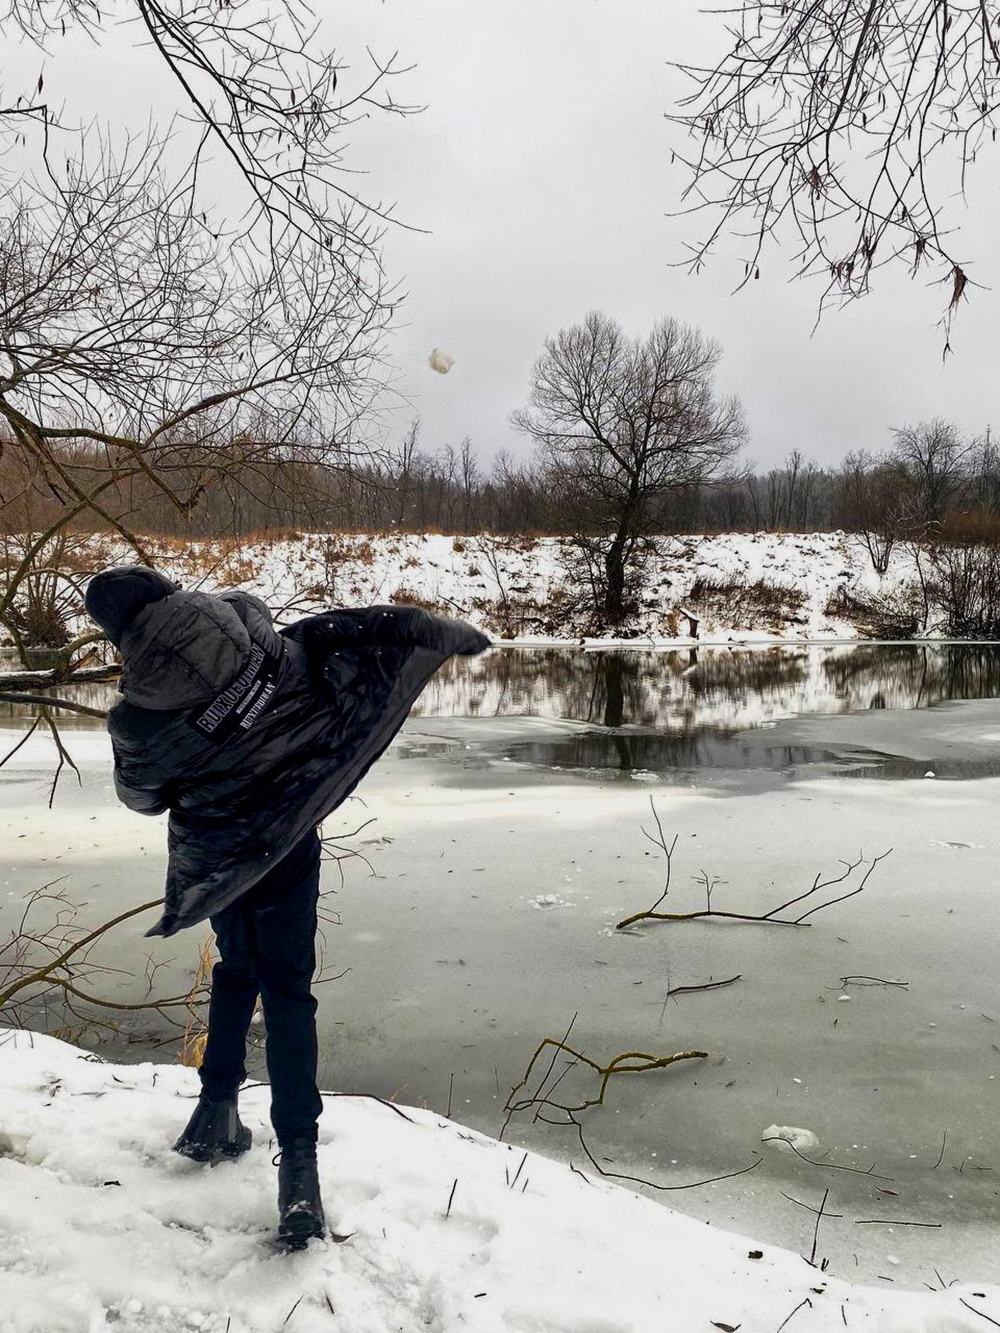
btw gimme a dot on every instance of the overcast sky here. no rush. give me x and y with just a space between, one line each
540 173
541 168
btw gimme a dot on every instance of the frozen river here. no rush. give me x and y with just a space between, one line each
506 842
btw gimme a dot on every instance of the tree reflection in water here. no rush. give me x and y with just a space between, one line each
682 692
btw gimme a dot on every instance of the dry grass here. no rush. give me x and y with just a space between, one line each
404 597
195 1037
744 605
242 570
340 549
515 614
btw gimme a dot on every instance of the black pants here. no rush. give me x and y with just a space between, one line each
267 946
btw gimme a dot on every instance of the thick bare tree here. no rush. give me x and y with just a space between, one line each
620 423
846 128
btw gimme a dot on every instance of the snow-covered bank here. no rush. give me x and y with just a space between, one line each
102 1226
742 587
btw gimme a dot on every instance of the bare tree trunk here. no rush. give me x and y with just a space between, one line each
614 572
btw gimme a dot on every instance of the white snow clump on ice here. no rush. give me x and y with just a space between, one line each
787 1137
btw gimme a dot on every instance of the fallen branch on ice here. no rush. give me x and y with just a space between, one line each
772 917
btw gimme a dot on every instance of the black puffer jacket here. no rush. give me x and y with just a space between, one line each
251 737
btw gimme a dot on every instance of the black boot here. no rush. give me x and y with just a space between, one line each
300 1208
213 1132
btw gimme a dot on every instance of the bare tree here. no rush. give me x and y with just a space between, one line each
516 498
788 493
405 460
620 423
154 342
728 504
984 473
468 471
871 505
259 104
138 348
930 460
846 127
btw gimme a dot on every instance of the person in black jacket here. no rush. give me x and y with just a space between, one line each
250 738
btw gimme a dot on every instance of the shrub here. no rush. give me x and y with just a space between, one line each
966 586
893 613
744 605
511 616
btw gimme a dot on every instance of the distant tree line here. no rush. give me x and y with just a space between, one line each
931 477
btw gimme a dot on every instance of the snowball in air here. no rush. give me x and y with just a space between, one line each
440 361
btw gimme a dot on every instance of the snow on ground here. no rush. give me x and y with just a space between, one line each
516 587
102 1227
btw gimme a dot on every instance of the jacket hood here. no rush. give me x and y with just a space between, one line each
183 650
116 596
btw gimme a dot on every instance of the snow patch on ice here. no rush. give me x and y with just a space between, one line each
545 901
786 1137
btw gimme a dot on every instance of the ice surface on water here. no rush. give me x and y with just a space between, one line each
455 970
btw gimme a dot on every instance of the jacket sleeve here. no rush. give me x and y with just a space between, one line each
138 784
389 627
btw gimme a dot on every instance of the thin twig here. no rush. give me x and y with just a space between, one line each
819 1218
705 985
831 1166
784 1321
944 1140
981 1313
371 1096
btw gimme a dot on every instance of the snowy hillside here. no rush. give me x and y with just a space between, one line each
740 586
102 1227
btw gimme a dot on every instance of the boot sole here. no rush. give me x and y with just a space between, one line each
285 1244
297 1230
204 1153
288 1242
